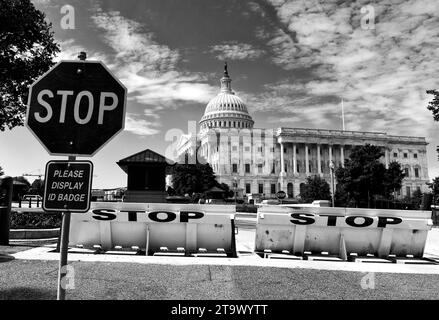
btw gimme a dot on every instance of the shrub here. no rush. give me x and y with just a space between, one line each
35 220
246 208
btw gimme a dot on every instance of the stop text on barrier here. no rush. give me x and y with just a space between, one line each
153 216
353 221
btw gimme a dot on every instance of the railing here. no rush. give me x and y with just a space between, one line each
30 200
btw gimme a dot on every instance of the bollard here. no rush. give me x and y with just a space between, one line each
5 209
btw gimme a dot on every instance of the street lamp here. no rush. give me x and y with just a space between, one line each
332 166
235 185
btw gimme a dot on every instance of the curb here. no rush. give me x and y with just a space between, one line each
33 233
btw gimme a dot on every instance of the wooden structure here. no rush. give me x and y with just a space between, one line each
146 172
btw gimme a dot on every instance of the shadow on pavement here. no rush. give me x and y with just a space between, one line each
23 293
6 257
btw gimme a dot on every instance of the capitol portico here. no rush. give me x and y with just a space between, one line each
264 161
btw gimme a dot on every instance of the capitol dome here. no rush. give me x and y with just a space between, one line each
226 110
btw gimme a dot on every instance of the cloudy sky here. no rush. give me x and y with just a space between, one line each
291 61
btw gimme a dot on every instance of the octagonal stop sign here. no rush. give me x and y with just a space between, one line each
76 107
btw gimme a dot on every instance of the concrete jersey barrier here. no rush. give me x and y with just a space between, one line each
341 231
153 226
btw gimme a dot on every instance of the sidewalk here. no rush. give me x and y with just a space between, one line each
432 245
246 257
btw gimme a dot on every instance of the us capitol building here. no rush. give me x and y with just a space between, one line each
264 161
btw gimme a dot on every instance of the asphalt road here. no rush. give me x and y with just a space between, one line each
25 279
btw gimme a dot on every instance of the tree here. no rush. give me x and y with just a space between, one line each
427 201
364 176
21 186
23 180
342 198
415 200
433 105
315 188
27 49
171 191
190 178
434 186
1 171
228 193
393 178
37 187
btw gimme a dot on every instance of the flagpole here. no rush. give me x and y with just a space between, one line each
342 113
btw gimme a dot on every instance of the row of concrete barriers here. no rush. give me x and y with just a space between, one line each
197 229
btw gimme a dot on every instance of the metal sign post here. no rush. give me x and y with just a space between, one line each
63 252
64 243
64 247
80 202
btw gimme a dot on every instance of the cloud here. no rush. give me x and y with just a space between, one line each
133 44
382 73
236 51
166 89
138 126
147 68
41 2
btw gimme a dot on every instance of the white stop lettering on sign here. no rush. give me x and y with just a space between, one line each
65 94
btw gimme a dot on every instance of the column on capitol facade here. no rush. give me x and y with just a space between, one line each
306 160
319 163
220 155
229 147
206 150
294 158
342 155
386 154
330 153
241 164
282 166
223 153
